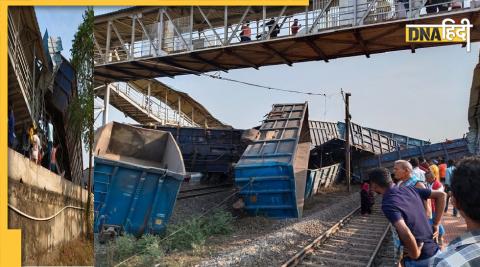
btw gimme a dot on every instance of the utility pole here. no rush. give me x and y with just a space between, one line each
347 139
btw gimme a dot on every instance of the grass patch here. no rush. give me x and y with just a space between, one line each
191 234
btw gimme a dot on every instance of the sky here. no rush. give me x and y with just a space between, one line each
61 22
423 95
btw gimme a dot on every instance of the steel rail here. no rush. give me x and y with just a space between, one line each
297 258
341 224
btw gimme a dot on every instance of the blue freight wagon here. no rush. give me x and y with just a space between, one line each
271 173
402 140
454 149
137 176
322 177
211 152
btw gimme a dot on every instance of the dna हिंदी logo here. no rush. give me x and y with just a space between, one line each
447 32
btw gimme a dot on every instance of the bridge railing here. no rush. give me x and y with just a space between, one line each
20 64
152 106
177 36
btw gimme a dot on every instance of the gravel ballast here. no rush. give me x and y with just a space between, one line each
278 246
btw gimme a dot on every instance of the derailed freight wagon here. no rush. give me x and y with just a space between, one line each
271 173
137 176
453 149
211 151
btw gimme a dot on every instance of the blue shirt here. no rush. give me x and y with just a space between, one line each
406 202
411 182
448 175
11 128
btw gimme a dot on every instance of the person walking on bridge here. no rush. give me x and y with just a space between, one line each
464 251
246 33
401 205
295 27
276 28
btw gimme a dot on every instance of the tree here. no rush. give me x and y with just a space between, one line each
81 108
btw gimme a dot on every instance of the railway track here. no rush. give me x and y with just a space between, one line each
202 191
355 240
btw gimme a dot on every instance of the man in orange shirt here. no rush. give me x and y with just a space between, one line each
442 169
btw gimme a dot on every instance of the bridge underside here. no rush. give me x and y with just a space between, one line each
330 44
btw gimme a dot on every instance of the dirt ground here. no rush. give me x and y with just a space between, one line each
78 252
249 228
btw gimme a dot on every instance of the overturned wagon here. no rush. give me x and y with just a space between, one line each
271 173
137 176
211 152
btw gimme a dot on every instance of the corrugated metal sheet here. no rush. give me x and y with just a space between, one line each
271 173
321 178
361 138
402 140
322 131
366 139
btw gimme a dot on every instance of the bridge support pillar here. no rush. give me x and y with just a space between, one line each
106 103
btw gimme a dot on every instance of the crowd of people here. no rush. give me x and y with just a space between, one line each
35 143
416 196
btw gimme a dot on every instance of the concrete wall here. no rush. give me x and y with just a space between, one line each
40 193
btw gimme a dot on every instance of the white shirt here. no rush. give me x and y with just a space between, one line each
419 173
50 132
36 143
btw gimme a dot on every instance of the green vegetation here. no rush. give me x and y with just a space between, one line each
188 235
80 111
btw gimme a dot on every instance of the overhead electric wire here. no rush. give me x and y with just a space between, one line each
218 77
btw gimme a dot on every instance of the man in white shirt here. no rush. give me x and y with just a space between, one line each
49 140
419 173
36 146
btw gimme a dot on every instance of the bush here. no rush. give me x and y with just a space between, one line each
123 247
221 223
190 234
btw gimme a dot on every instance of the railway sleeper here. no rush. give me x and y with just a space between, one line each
347 249
322 261
341 255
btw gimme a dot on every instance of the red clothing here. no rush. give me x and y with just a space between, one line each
54 156
424 167
246 31
443 170
295 28
435 186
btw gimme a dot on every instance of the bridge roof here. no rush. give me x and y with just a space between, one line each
325 45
